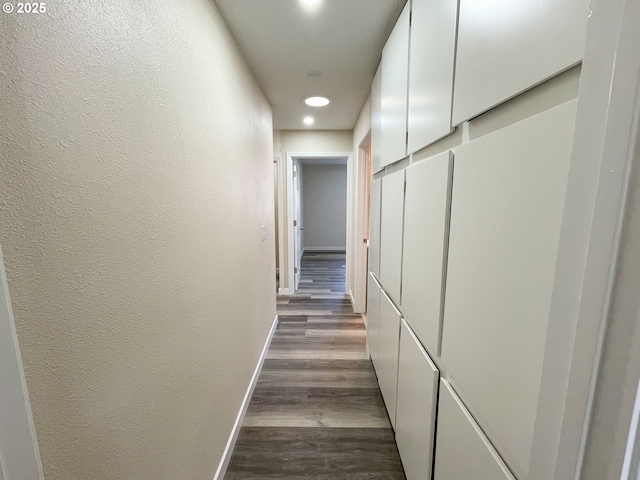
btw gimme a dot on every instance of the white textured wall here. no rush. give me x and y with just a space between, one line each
135 177
324 215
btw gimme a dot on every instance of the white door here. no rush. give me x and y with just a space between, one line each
297 223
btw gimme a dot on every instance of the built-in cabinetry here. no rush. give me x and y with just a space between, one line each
426 221
464 452
373 316
508 46
388 345
392 208
415 406
393 92
466 209
374 226
433 40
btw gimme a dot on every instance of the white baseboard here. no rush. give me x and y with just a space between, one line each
228 451
325 249
285 291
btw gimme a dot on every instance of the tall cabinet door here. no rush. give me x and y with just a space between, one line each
433 41
395 73
376 120
463 452
506 214
387 367
374 227
373 317
416 406
508 46
426 229
391 234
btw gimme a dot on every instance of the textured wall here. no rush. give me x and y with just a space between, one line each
135 177
324 203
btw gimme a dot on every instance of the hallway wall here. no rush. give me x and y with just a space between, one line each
135 176
324 206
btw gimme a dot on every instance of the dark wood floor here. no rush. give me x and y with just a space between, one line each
316 412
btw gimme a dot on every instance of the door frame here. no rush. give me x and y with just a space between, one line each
285 204
594 295
19 454
363 169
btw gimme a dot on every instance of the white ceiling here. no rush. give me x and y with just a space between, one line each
283 41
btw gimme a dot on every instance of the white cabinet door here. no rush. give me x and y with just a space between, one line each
426 222
387 366
508 46
395 73
462 450
374 227
376 120
373 317
391 234
416 406
431 63
506 210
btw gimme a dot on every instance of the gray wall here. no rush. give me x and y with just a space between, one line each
324 206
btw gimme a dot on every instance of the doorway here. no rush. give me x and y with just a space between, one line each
296 235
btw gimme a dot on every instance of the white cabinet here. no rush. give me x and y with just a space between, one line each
463 452
431 64
416 406
387 365
391 234
395 73
506 210
374 226
508 46
373 317
426 222
376 120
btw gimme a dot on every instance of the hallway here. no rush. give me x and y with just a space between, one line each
317 411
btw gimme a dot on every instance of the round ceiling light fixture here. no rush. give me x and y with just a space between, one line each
308 121
317 101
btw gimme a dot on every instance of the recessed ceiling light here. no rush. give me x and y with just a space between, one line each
317 101
308 121
310 5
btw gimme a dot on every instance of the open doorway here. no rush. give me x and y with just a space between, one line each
315 211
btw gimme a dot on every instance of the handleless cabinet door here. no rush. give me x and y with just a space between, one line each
391 222
416 406
373 317
431 62
387 367
508 46
506 211
462 450
376 120
426 221
395 74
374 227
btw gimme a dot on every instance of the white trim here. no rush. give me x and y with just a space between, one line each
18 443
285 291
228 451
590 235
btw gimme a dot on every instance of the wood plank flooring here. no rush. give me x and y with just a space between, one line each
317 412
